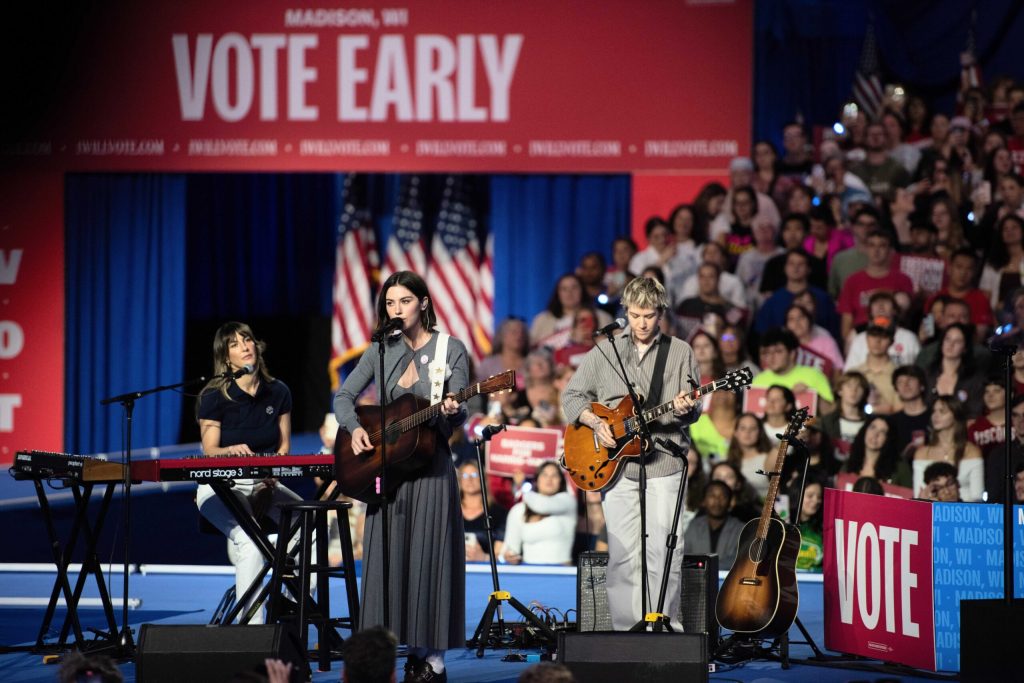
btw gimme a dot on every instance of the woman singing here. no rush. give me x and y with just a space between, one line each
427 544
243 416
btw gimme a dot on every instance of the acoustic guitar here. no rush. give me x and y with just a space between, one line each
759 596
592 466
410 440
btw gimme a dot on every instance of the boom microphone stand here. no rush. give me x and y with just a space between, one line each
124 647
482 636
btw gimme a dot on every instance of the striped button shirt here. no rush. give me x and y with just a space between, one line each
598 380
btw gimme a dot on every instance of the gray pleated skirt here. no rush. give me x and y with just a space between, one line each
427 563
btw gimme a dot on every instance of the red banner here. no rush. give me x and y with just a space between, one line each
440 85
31 313
878 578
522 449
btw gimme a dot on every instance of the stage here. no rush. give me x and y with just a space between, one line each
187 595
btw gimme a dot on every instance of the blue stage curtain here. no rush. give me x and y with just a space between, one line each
125 327
542 224
261 244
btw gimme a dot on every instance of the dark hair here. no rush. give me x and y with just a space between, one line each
719 484
370 655
703 199
499 341
966 368
939 469
780 335
554 306
787 394
816 522
964 251
529 514
717 364
867 209
699 232
888 457
749 191
653 222
801 218
763 445
823 213
79 668
868 485
415 284
861 380
878 232
910 371
956 407
998 255
222 339
598 255
627 239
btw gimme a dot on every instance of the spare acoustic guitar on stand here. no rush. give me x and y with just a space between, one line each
759 597
592 466
411 440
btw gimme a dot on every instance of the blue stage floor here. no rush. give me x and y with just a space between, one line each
190 598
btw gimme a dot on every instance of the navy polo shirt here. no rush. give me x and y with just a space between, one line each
252 420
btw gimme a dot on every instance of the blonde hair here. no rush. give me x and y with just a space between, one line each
644 292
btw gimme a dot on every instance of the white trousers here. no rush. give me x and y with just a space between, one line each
622 515
242 552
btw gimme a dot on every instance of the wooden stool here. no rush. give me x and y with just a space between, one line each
312 518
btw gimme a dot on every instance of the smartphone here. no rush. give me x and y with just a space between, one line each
471 538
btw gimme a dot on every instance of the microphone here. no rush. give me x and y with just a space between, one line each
386 330
490 430
618 324
240 372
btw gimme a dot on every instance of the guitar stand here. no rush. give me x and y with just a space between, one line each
485 635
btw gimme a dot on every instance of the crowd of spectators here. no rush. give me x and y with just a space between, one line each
861 274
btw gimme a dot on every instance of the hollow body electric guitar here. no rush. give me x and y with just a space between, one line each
410 440
759 596
592 466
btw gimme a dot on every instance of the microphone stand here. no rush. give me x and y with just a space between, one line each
125 645
1007 349
381 337
664 621
482 636
645 444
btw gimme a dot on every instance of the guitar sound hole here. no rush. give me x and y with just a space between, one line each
756 551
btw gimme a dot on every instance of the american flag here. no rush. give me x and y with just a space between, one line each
355 269
867 86
454 274
406 249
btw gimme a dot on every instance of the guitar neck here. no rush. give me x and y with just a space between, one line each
699 392
773 489
429 413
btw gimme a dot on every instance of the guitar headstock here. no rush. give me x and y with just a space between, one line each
796 423
737 379
500 382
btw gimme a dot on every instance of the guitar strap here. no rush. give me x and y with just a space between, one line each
438 368
658 376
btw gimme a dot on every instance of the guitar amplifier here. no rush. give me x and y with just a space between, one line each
699 588
592 612
700 593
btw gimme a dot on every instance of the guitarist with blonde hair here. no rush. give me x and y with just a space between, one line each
655 364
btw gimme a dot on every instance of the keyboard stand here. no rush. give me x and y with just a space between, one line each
62 557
